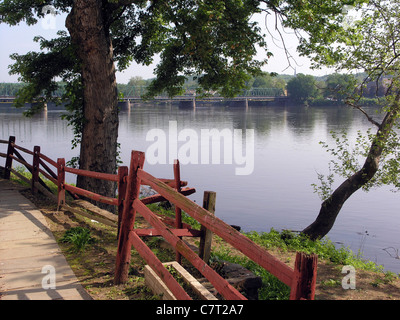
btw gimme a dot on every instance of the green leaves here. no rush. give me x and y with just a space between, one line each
302 88
79 237
348 158
13 12
213 39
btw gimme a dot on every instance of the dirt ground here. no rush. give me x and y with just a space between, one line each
94 267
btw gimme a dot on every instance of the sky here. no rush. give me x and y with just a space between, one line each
19 39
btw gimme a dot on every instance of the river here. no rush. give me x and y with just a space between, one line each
263 180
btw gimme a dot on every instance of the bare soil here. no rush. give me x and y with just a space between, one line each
94 266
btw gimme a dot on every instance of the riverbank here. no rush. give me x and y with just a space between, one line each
334 103
94 264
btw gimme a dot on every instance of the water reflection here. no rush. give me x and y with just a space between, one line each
277 194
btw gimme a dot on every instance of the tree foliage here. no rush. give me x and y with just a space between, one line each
214 39
339 86
302 88
215 42
369 43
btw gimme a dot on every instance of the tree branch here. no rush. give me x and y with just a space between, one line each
377 124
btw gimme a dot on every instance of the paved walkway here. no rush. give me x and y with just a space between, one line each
31 262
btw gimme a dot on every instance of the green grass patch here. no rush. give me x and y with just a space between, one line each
274 289
78 237
165 210
324 248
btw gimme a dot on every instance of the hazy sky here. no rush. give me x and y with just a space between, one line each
19 39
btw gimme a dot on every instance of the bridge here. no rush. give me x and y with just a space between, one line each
134 94
191 99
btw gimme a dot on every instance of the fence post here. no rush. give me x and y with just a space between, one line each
10 152
305 277
35 168
123 258
61 181
122 182
209 200
178 212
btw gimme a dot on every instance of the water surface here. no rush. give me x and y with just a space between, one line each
287 157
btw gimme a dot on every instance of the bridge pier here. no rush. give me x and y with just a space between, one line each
187 104
125 105
35 104
239 103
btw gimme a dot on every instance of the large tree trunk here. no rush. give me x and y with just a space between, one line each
331 207
90 35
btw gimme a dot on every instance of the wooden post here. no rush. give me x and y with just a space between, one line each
305 277
178 212
35 168
217 226
209 200
122 182
10 152
123 258
61 181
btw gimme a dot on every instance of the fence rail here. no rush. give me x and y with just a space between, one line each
301 279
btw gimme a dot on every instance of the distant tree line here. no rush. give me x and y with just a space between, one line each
137 86
10 89
305 89
336 88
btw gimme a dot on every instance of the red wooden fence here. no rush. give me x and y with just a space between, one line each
301 279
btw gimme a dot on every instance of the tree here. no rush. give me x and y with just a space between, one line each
370 43
279 83
339 86
302 88
262 81
213 38
137 81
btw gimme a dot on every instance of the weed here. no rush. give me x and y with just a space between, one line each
324 248
79 237
331 283
388 278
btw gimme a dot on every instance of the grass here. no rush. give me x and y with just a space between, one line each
325 249
272 288
91 249
165 209
79 237
25 173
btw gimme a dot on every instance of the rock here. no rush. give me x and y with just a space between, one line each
238 228
240 278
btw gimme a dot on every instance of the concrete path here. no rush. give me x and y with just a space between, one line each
32 266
